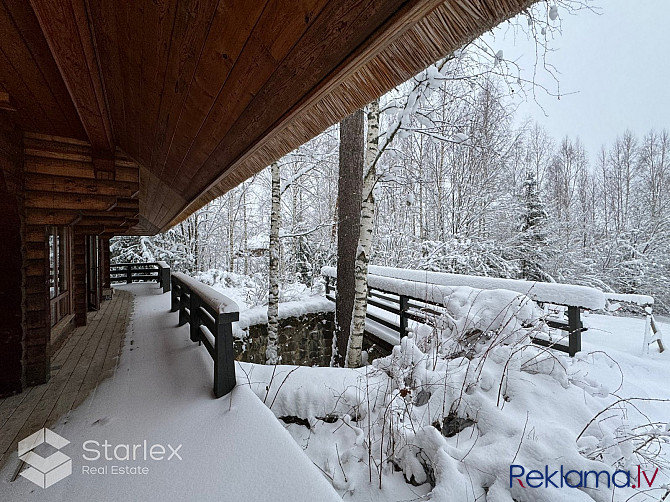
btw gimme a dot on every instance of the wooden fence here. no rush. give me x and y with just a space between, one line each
141 272
210 316
427 312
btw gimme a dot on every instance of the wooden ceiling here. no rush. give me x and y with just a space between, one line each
203 93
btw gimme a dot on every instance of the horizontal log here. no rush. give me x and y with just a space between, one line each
57 167
58 155
39 138
52 200
127 173
35 268
36 302
37 216
127 203
69 184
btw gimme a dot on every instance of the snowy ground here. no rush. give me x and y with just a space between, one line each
515 403
232 448
367 432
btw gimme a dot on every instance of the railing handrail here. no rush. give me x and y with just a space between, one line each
210 315
127 272
554 293
409 292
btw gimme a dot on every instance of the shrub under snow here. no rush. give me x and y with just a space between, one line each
447 413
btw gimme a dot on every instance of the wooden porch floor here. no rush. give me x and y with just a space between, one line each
87 357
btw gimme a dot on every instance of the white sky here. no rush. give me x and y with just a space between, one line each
615 61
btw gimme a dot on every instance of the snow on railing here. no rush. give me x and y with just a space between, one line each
215 300
545 292
504 294
210 316
641 300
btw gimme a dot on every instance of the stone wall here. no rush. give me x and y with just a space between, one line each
305 340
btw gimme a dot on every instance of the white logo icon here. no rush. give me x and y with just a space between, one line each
44 472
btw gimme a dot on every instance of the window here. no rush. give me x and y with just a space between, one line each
58 240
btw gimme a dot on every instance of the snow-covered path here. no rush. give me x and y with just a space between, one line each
232 448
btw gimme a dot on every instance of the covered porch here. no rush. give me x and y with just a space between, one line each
148 381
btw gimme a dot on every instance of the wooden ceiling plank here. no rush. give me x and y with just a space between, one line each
104 19
76 60
228 33
282 24
192 25
64 115
308 65
31 114
392 29
158 26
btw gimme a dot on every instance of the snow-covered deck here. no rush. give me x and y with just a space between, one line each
232 448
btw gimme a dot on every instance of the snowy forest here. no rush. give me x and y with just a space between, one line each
462 185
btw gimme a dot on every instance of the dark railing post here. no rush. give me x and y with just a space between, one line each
194 317
129 274
224 361
575 330
174 297
403 315
183 305
165 279
327 285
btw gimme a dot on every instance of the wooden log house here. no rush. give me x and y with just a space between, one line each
124 117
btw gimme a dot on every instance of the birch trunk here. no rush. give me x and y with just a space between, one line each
245 237
350 180
354 349
273 293
231 233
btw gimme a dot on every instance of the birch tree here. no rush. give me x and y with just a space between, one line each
370 179
273 272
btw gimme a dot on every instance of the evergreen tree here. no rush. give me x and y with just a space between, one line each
533 238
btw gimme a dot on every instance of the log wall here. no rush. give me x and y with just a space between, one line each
11 209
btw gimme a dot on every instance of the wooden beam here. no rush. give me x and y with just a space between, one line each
70 184
68 32
6 102
54 200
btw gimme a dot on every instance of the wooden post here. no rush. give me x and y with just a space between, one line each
104 244
165 279
403 316
174 297
129 274
224 361
79 278
183 292
194 317
575 330
11 329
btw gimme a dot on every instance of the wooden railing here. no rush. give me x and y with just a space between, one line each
404 307
141 272
210 316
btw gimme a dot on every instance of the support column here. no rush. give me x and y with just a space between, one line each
11 329
104 244
11 263
79 278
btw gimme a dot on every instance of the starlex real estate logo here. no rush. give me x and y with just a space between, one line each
44 472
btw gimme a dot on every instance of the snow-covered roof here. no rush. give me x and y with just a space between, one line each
559 294
217 301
